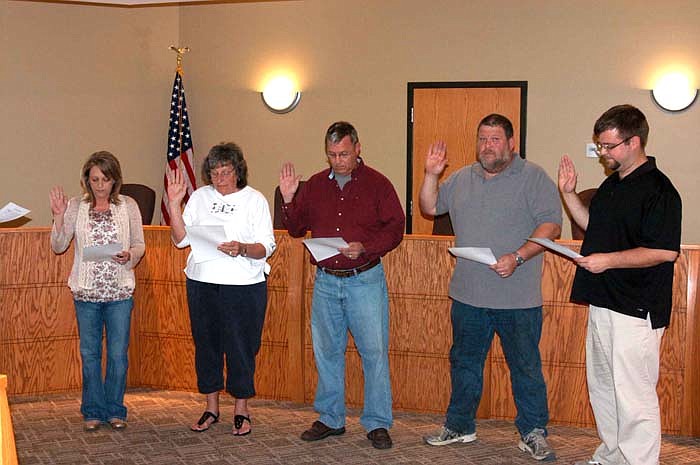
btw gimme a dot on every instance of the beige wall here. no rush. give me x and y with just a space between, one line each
76 79
353 58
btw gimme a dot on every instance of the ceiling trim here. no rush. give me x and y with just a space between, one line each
145 3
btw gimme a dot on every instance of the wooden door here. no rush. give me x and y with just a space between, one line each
451 112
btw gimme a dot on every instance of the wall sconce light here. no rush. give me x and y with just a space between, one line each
280 96
673 92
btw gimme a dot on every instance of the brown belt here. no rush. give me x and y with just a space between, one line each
352 271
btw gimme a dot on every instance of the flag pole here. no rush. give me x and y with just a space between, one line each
180 53
179 153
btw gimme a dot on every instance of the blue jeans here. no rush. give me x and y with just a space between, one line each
359 304
472 332
104 400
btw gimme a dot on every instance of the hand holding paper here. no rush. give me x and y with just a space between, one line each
324 247
101 253
478 254
205 240
567 252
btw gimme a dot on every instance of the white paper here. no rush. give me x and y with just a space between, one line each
204 240
101 253
324 247
556 247
12 211
478 254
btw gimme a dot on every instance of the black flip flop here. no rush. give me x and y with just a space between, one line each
203 419
238 423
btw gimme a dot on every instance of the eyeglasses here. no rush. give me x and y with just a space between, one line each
339 156
221 174
608 147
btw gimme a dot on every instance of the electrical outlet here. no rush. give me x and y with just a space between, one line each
590 150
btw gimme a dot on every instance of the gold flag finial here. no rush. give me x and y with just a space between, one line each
180 51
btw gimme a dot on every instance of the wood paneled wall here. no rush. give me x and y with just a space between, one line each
39 346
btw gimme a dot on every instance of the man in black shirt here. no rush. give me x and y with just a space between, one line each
633 229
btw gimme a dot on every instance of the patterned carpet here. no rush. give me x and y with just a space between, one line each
48 430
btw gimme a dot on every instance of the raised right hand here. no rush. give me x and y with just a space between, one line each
59 202
567 175
177 188
289 181
436 159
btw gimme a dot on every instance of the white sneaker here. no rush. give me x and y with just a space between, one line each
588 462
536 444
446 436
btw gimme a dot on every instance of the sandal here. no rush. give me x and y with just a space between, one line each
238 424
202 422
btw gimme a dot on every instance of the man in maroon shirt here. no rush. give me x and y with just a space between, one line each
359 204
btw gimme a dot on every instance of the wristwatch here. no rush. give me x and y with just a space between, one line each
518 259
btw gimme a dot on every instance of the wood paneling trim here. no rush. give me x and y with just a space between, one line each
690 407
39 344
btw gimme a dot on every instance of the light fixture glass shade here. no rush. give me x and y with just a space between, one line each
673 92
280 96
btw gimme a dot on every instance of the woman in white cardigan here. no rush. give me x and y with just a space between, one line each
102 285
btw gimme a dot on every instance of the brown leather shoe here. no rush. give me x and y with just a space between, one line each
320 431
380 438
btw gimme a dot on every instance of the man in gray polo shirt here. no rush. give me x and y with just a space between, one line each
497 202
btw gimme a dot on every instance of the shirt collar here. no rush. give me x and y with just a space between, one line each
644 168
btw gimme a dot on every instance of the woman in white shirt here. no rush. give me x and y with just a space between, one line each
227 296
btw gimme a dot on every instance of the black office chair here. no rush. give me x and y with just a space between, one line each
145 198
442 225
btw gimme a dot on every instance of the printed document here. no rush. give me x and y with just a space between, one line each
567 252
12 211
324 247
478 254
101 253
204 240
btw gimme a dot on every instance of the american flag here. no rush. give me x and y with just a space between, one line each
179 153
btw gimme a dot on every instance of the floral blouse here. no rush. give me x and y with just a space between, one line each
106 288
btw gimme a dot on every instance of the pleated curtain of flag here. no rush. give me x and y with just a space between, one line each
179 154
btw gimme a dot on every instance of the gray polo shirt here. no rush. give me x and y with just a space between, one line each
499 213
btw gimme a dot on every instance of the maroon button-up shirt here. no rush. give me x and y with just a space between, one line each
367 210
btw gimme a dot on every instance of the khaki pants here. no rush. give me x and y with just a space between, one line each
622 368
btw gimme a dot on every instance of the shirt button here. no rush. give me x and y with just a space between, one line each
340 214
342 198
337 229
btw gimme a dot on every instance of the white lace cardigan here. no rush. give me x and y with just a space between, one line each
75 223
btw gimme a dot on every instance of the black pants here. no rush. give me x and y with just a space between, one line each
226 319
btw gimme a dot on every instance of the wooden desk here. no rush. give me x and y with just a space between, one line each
39 346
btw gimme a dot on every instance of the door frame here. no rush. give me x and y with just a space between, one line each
411 86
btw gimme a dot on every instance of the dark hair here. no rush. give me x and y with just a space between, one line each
496 120
339 130
109 165
628 120
223 154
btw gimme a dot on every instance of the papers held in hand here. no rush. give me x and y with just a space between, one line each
205 240
567 252
324 247
101 253
478 254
